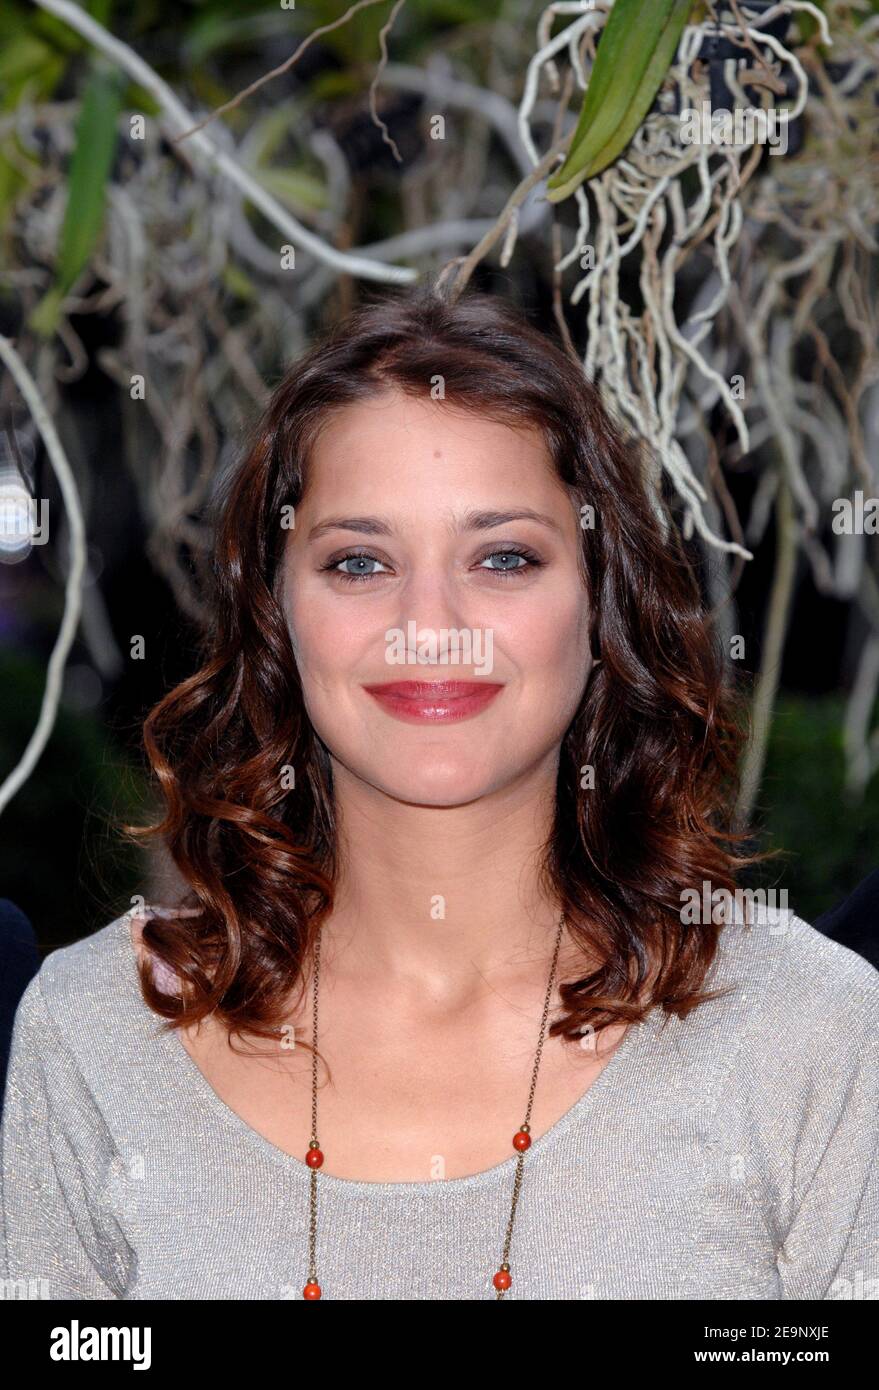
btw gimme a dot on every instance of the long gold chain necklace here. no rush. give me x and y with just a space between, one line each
521 1140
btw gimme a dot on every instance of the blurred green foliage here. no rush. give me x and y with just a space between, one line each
86 191
830 843
210 50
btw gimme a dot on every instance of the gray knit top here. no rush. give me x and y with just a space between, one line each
729 1155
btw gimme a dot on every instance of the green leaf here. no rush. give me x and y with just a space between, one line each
637 46
294 187
29 70
330 86
237 282
22 57
84 214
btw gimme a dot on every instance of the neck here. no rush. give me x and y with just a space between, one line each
440 898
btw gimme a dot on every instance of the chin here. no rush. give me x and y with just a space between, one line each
436 786
420 796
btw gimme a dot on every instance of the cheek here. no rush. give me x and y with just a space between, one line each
326 635
551 650
550 635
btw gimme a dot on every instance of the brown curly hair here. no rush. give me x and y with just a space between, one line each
659 720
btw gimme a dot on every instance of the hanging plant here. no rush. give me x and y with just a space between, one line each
653 186
637 46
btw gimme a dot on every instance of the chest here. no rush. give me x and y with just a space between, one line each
399 1106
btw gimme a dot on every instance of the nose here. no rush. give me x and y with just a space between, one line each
432 604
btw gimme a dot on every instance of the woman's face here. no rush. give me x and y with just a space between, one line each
425 502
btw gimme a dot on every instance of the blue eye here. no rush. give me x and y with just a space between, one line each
359 560
508 555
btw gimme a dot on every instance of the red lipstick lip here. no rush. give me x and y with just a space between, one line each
439 702
435 690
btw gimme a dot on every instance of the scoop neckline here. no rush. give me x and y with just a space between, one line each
188 1071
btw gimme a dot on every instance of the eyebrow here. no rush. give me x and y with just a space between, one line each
467 521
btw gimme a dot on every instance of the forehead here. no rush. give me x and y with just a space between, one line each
402 442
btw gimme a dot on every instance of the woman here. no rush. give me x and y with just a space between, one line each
545 1068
